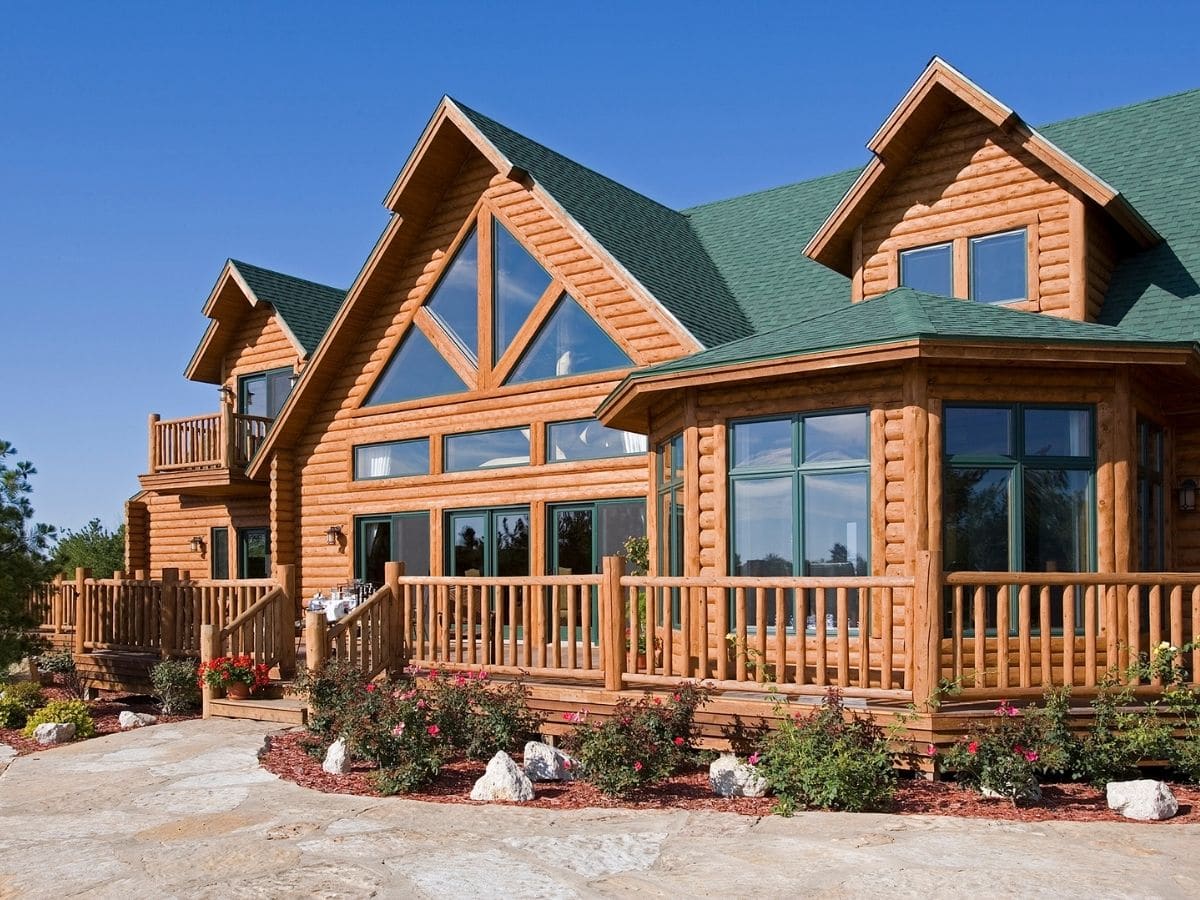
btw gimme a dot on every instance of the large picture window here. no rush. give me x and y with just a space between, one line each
799 500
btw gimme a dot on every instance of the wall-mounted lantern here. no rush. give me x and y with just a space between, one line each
196 544
333 535
1187 495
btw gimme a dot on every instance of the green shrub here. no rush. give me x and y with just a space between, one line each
477 718
61 664
74 711
392 724
829 759
644 742
332 691
1002 757
28 694
12 712
175 686
1119 738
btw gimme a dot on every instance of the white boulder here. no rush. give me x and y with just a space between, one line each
54 733
729 777
546 763
1144 799
503 781
337 758
130 719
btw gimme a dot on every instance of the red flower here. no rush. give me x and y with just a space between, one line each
679 742
637 766
433 730
371 687
973 747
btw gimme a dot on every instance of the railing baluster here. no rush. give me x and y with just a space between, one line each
780 638
822 633
1002 615
980 637
1068 616
760 623
1024 636
885 634
741 645
1045 637
801 616
843 637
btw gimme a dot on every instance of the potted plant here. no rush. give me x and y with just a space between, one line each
237 676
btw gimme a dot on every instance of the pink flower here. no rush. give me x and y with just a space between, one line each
679 742
637 766
658 701
566 764
973 747
398 730
370 688
1031 756
931 750
433 730
754 758
421 704
675 697
1006 709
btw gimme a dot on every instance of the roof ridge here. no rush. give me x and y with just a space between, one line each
547 149
241 263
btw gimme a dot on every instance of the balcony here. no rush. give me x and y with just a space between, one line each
205 455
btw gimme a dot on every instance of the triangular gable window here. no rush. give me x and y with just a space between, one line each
569 343
520 282
415 370
454 302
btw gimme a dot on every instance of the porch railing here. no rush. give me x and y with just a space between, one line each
221 440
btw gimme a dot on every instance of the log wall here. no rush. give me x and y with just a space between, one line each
260 344
174 520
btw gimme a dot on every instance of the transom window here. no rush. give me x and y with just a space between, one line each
588 439
799 501
392 459
996 266
487 449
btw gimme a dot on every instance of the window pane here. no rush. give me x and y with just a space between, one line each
487 449
978 431
392 460
976 520
835 525
1056 520
588 439
254 551
573 534
998 268
412 542
520 282
415 370
1058 432
763 526
569 343
376 538
469 531
618 522
762 445
455 300
253 401
928 269
838 437
677 458
218 547
511 543
279 385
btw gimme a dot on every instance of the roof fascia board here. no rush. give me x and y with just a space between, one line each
255 301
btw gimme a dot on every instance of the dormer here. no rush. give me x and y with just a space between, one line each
961 197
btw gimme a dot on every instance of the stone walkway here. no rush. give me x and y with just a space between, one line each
184 810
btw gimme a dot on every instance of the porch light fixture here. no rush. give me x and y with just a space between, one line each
333 534
225 392
1187 495
196 544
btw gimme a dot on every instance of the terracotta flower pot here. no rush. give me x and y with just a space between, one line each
237 690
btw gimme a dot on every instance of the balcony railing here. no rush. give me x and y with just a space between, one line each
221 440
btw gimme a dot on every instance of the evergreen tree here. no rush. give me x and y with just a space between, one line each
22 557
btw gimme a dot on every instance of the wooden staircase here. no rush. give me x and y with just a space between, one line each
277 703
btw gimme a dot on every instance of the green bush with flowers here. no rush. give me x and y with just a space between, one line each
643 742
223 671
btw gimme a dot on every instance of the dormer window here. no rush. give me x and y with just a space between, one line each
995 266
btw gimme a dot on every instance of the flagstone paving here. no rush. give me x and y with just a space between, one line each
183 810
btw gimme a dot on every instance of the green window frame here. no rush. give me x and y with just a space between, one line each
247 559
276 386
807 464
1012 476
218 549
669 496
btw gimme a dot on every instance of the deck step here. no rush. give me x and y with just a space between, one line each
285 711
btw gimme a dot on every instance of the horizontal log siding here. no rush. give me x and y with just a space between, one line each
1101 259
325 491
260 344
174 520
969 175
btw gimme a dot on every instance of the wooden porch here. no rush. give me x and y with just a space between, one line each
205 454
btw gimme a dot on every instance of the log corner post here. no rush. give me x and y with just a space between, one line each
228 437
396 629
927 630
56 604
81 603
152 466
210 649
168 642
287 621
613 612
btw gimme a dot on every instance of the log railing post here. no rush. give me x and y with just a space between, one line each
169 616
927 630
81 601
210 649
316 640
56 604
613 612
395 652
289 609
153 429
228 437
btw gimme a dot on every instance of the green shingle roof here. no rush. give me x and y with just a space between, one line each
901 315
308 308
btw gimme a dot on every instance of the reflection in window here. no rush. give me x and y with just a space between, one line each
1151 512
998 267
391 460
928 269
487 449
519 283
415 370
569 343
588 439
403 537
493 542
265 393
454 302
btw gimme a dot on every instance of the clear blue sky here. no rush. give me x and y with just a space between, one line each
143 143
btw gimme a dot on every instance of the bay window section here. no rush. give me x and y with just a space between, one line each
799 497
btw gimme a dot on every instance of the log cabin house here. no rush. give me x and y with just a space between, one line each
932 420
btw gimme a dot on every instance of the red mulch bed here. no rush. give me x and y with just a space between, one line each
285 756
105 711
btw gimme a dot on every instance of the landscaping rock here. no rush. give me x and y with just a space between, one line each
130 719
337 758
54 733
728 777
546 763
503 781
1031 794
1145 799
